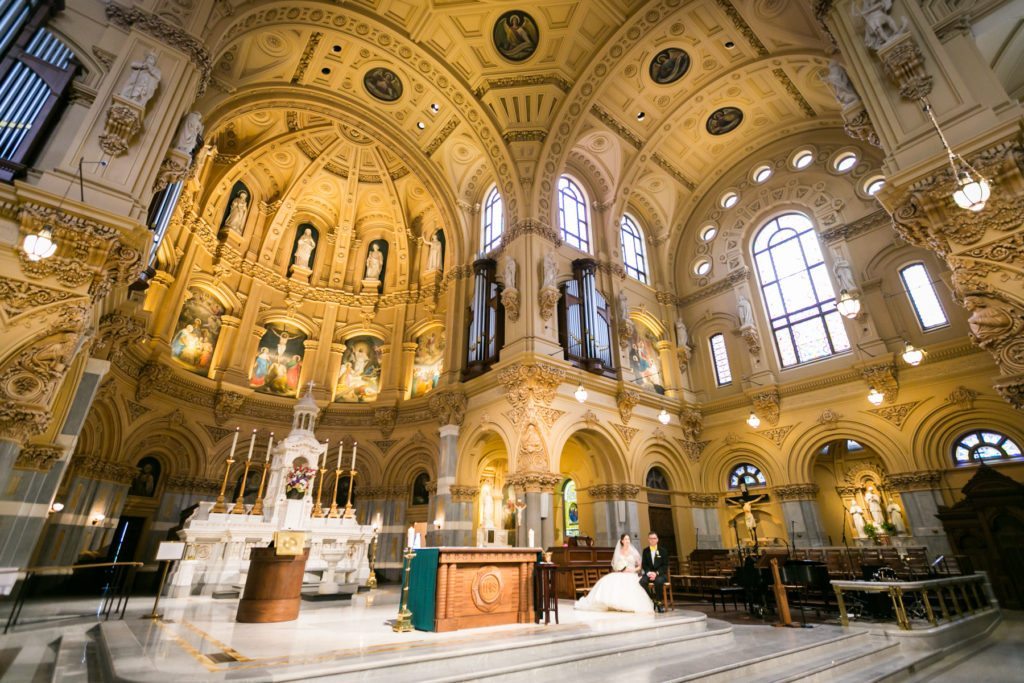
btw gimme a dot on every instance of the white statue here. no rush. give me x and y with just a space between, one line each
142 81
623 306
374 263
239 212
486 507
550 269
879 27
844 273
857 515
510 273
874 502
747 509
434 252
682 336
188 132
896 517
304 249
840 82
745 311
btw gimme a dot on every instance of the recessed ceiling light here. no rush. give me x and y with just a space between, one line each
640 116
421 125
435 107
729 45
326 70
336 48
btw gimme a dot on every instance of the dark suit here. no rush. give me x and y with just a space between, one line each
657 564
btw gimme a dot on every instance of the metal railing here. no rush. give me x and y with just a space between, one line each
116 589
919 599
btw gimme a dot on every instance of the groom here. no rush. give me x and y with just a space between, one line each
654 566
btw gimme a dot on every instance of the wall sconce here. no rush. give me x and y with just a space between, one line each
875 397
848 305
754 421
972 189
40 245
96 519
581 393
664 417
56 507
912 355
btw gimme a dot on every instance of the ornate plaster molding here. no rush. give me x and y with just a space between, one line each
92 467
38 457
464 494
922 480
626 400
703 500
448 407
795 492
767 404
613 492
200 485
535 482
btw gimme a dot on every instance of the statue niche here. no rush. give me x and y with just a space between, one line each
376 265
237 210
303 253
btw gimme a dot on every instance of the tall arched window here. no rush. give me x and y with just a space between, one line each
797 291
922 296
571 508
573 219
493 221
634 255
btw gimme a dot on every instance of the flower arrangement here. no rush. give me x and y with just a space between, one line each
298 481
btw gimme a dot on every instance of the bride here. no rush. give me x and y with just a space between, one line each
619 591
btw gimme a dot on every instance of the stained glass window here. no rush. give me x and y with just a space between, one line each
493 221
922 296
798 293
720 359
746 474
984 445
572 214
634 256
572 509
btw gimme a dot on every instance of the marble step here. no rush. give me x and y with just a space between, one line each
24 659
76 659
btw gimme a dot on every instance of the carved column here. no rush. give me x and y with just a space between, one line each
449 408
615 511
803 518
919 492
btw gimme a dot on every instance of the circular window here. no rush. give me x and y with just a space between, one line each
729 200
844 162
873 185
803 159
708 232
762 173
702 267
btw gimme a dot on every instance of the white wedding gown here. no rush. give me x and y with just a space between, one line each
619 591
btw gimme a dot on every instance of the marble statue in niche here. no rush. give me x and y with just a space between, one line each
857 515
510 273
840 83
374 263
144 483
238 209
305 245
879 27
874 502
844 273
188 132
434 251
550 269
515 36
896 517
745 312
143 79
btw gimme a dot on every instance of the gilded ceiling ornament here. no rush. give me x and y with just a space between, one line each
896 414
448 407
626 400
767 405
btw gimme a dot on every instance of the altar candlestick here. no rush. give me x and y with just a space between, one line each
257 507
252 444
220 505
530 537
270 445
341 447
355 445
410 537
234 443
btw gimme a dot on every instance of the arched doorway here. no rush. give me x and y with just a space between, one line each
852 503
606 508
659 511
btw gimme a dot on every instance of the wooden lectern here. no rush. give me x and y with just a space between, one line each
273 588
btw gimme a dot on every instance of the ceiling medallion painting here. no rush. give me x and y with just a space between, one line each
515 36
724 120
382 83
669 65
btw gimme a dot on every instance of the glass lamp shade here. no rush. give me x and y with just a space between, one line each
581 393
57 507
40 246
970 193
848 305
875 397
663 417
912 355
754 421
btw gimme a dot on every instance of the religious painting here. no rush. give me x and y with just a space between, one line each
237 210
515 36
144 483
724 120
428 362
644 360
382 83
278 363
304 248
669 65
197 331
359 377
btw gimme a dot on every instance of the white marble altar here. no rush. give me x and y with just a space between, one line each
218 544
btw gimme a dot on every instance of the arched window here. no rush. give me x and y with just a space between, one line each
746 474
983 445
656 479
573 219
420 493
634 255
720 359
922 296
798 293
493 221
571 507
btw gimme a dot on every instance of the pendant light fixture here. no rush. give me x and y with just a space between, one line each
664 417
912 355
972 189
581 393
848 305
754 421
40 245
875 397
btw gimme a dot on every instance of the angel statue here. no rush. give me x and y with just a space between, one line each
840 83
879 27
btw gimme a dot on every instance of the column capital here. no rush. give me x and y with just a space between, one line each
448 407
703 500
921 480
535 482
796 492
614 491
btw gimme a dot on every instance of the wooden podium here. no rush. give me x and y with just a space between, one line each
456 588
273 588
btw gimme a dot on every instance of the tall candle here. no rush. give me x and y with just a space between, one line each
321 460
530 538
234 443
252 444
270 445
341 447
411 536
354 446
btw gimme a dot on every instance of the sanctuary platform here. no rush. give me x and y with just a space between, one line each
198 640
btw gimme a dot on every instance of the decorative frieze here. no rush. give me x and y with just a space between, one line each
922 480
795 492
448 407
896 414
703 500
613 492
92 467
38 457
198 485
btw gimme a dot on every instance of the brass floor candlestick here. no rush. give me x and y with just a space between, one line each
257 507
350 512
221 506
371 580
334 513
318 509
403 624
239 508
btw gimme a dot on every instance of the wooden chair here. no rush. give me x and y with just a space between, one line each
667 596
579 583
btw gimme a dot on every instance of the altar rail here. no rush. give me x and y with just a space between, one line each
116 590
914 598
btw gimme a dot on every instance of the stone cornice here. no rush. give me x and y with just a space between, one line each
38 457
923 480
200 485
92 467
703 500
795 492
613 491
715 288
876 219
